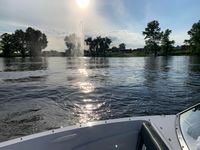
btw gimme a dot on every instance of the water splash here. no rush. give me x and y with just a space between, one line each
79 44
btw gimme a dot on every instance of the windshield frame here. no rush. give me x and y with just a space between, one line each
179 133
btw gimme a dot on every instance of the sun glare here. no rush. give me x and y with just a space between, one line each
82 3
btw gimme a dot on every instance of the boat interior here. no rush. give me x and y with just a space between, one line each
129 135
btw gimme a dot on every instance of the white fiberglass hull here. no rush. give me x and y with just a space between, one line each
122 134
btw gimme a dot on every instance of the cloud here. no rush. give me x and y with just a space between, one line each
179 37
131 39
56 43
60 18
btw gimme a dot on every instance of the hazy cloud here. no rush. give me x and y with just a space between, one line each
63 17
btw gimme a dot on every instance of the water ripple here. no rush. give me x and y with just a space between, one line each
46 93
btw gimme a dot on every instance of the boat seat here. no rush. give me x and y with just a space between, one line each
150 138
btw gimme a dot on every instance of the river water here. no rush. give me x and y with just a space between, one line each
44 93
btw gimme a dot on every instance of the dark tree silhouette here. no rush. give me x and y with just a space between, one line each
20 42
166 44
104 44
122 46
35 41
98 46
90 43
29 43
6 44
152 36
194 41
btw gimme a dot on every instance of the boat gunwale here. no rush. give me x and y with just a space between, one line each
77 126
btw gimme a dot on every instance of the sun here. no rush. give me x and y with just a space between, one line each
82 3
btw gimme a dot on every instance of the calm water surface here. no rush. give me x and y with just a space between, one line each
45 93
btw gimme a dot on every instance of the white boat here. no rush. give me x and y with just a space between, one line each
170 132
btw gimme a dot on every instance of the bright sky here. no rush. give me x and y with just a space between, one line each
123 20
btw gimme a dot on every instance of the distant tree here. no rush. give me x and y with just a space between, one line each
152 36
90 43
122 46
0 47
194 41
96 42
29 43
115 49
35 41
7 44
104 45
98 46
20 42
166 44
72 42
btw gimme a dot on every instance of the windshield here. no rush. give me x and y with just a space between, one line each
190 127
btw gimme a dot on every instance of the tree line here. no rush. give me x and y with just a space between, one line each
157 42
98 46
20 43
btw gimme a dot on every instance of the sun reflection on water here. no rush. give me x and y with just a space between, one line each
88 111
86 87
88 107
83 71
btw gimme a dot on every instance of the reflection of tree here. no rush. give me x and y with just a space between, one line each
194 62
164 63
192 82
73 62
193 76
153 65
98 62
25 64
38 63
156 86
151 70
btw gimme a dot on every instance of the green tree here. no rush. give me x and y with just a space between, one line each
104 45
29 43
166 44
7 44
194 41
89 42
115 49
0 47
98 46
122 46
20 42
152 37
35 41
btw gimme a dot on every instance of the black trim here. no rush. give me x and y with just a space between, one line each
151 139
